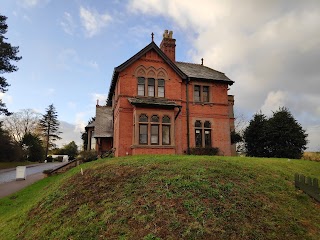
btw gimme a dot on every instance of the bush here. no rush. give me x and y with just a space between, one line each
88 156
204 151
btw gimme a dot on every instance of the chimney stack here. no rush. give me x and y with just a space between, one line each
168 45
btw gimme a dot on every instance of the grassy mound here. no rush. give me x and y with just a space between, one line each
167 197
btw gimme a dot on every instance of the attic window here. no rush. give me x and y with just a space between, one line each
141 84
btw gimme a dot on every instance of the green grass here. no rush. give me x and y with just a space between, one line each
167 197
4 165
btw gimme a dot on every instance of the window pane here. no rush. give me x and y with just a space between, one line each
141 80
207 138
165 134
198 138
205 93
151 91
143 118
150 81
197 123
197 93
161 82
154 134
160 91
154 118
143 134
207 124
141 90
165 119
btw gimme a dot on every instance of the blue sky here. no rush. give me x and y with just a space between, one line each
271 50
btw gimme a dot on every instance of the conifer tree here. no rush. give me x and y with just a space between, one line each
255 136
8 53
49 126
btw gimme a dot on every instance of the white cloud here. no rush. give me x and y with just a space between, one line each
93 22
68 25
274 100
6 98
99 98
32 3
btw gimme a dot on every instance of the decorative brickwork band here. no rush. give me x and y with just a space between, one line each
308 185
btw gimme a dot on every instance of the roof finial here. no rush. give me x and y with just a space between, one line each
201 61
97 102
152 35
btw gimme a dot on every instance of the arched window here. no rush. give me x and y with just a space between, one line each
143 129
151 82
143 118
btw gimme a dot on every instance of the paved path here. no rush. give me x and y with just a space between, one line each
9 185
8 188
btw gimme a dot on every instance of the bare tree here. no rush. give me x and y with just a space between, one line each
20 123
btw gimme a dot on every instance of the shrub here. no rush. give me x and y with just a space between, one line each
88 156
204 151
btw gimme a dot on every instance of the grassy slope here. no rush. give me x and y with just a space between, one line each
167 197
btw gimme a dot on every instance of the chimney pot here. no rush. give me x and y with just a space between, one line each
168 45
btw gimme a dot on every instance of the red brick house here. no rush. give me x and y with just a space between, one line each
162 106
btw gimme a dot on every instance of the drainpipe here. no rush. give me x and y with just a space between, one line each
187 111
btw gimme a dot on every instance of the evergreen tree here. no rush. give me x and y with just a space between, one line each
32 144
8 53
9 150
70 149
286 138
49 126
255 136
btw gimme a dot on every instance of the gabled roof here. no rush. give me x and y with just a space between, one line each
151 46
104 122
198 71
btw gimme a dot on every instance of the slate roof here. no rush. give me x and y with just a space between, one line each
153 102
92 124
198 71
104 122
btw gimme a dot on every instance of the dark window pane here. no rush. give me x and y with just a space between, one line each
143 134
197 93
207 138
166 134
155 134
165 119
161 82
143 118
150 81
154 118
141 80
197 123
198 138
205 93
207 124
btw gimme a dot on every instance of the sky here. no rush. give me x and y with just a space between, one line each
271 49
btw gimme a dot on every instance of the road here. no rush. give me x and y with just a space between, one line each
8 175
